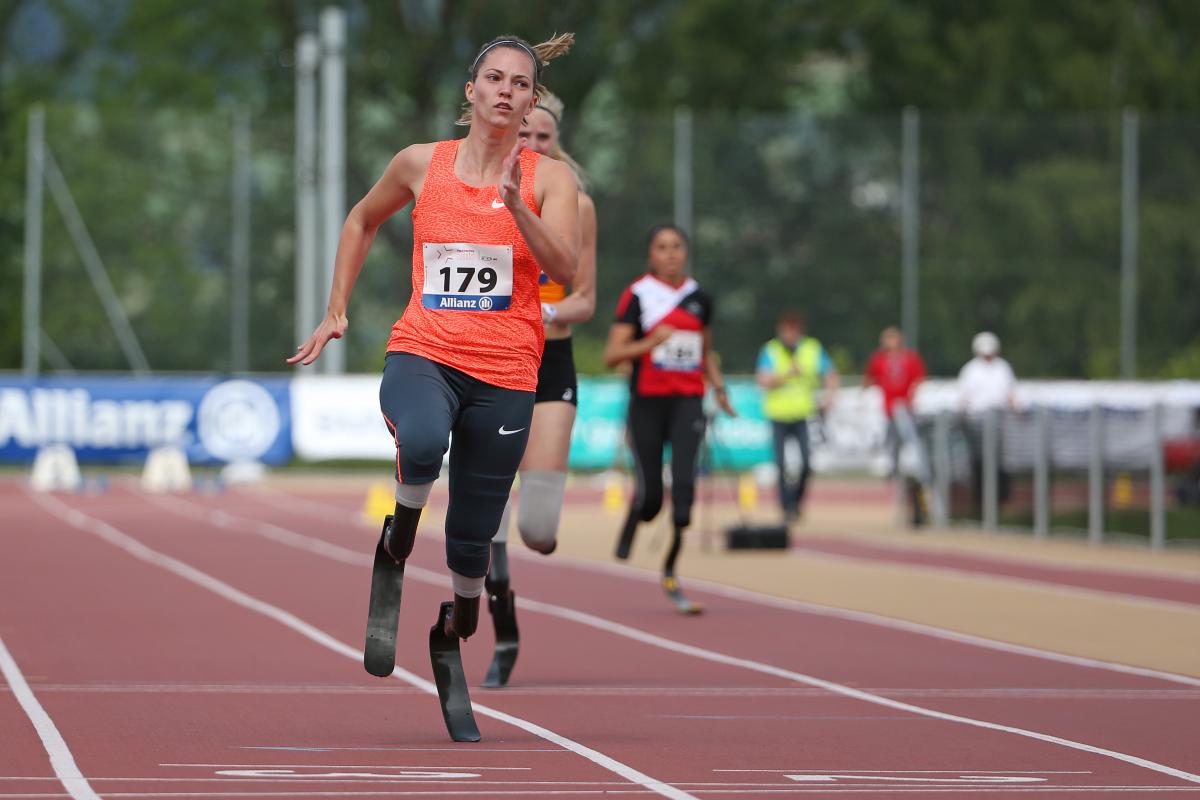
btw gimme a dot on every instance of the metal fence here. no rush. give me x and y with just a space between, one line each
1098 472
1066 235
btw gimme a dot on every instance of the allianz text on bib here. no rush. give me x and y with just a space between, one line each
681 352
467 277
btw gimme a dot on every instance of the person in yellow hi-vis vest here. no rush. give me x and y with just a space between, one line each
792 369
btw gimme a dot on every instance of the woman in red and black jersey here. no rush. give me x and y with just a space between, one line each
662 328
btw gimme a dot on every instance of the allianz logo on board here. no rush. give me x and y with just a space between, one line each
47 416
235 420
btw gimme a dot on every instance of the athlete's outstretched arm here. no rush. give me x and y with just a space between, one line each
554 236
622 346
580 304
712 371
393 191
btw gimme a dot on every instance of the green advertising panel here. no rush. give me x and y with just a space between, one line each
598 441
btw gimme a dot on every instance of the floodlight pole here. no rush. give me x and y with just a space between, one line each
910 224
1129 242
308 282
683 170
239 310
333 165
34 184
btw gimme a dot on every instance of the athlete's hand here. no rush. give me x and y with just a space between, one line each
510 178
723 402
332 327
660 334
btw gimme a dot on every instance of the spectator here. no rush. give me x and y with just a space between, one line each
986 383
792 368
897 371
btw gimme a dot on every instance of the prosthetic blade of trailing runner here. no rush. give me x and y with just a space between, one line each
387 584
451 682
504 617
684 606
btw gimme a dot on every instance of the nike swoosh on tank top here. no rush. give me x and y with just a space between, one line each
475 304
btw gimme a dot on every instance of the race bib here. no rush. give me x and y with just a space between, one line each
467 277
680 353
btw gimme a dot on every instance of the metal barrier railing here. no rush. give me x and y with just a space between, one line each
1098 470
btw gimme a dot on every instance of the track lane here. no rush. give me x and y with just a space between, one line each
190 635
227 505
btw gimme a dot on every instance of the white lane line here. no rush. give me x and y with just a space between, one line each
805 607
138 550
322 749
63 763
352 766
315 545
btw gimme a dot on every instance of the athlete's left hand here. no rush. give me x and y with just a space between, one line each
510 178
723 402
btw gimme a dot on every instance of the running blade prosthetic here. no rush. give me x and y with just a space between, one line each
451 683
684 606
504 618
387 584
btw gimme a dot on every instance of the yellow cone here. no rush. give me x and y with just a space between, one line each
1122 491
381 501
614 492
747 492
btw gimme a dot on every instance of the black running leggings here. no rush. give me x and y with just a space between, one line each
423 402
655 422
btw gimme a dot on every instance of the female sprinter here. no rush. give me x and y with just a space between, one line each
544 467
489 218
662 327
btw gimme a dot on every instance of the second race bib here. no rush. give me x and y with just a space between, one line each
680 353
467 277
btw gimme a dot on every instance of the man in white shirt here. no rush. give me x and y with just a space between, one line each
985 383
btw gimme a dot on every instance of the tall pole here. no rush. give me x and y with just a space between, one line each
683 169
333 150
307 293
1129 242
239 307
34 184
910 221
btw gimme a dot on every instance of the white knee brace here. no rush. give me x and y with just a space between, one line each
413 495
540 508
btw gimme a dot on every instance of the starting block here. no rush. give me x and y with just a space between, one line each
55 469
167 470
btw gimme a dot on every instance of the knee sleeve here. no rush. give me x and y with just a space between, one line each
541 507
413 495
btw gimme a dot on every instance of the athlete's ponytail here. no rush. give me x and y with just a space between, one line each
542 54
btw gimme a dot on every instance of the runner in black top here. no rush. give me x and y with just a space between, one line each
662 327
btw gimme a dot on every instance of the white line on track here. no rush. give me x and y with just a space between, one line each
312 544
788 604
63 763
825 790
138 550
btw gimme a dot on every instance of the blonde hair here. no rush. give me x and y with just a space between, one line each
553 105
557 45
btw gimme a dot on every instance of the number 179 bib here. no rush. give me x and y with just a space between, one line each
467 277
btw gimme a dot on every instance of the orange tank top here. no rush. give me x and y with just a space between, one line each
475 304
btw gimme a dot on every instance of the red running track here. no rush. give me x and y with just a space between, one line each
205 647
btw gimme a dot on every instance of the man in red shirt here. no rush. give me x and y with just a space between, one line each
897 371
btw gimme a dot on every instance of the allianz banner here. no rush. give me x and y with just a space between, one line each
109 419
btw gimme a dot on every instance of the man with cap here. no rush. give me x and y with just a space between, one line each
986 384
